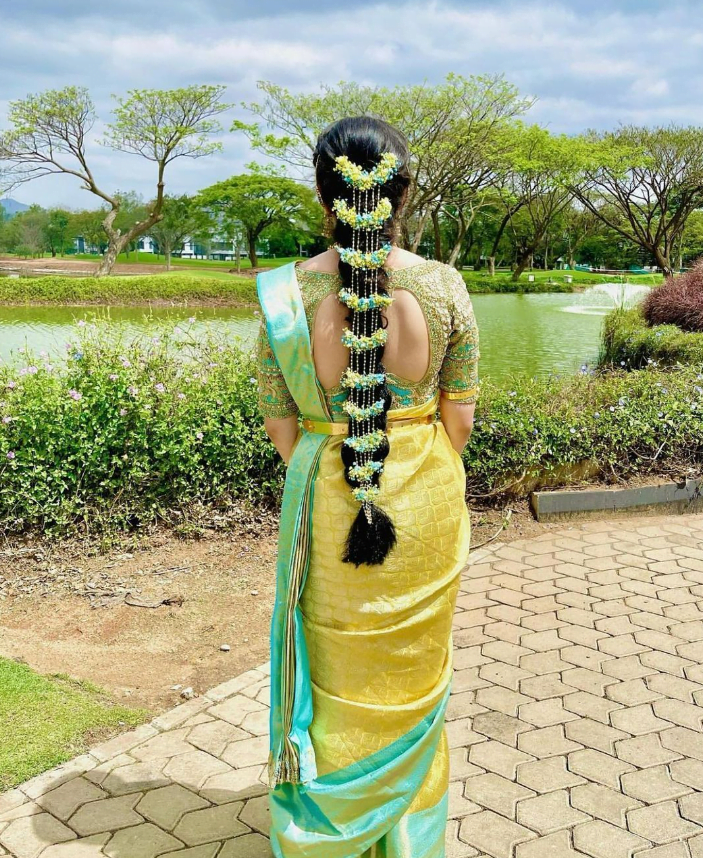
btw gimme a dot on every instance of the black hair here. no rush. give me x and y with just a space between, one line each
364 139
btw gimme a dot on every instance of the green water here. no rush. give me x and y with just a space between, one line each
520 334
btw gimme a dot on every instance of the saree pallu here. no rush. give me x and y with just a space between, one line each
361 657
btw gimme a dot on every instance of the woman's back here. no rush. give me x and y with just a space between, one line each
432 336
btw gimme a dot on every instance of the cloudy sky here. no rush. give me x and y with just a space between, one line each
589 63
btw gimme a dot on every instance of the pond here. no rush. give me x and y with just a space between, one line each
520 334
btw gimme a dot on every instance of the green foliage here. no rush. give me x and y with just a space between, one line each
119 435
624 424
136 289
258 201
644 183
45 720
629 342
163 124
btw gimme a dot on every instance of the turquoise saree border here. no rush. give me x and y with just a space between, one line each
345 813
291 694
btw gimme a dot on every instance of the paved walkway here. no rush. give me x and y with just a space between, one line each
576 722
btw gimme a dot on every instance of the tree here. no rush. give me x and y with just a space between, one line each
257 201
49 134
537 188
56 231
182 218
644 183
454 130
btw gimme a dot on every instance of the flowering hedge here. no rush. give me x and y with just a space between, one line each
628 341
114 435
117 434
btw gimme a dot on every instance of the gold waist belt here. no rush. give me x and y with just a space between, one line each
322 427
415 414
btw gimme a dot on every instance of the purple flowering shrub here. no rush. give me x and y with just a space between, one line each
121 434
678 301
624 424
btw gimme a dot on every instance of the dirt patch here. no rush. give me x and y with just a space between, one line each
72 608
87 268
63 613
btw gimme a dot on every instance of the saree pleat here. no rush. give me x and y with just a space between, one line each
371 647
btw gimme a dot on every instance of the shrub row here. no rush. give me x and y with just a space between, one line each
629 342
135 289
481 284
117 435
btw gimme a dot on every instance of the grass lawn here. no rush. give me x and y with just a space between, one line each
547 281
46 720
152 259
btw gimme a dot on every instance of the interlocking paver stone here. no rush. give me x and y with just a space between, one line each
643 751
687 743
107 814
689 772
652 785
598 767
577 693
546 742
496 793
548 813
592 734
142 841
26 837
557 845
256 846
661 823
212 823
493 834
604 803
86 847
193 769
497 757
547 775
638 720
165 806
602 840
66 799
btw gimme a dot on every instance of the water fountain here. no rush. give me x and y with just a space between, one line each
617 296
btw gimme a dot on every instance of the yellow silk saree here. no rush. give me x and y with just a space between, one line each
361 656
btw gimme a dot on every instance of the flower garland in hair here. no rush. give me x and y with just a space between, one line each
364 180
366 215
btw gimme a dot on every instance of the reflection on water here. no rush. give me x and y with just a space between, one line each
520 334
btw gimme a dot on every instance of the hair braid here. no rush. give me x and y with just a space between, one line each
366 198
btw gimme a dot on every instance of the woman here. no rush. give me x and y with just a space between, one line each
365 342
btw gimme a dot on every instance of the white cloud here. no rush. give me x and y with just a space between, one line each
592 64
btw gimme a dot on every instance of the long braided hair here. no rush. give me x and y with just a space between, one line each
362 174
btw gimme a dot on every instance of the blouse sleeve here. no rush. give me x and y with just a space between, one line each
458 376
275 400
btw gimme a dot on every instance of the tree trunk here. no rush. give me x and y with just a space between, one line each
572 262
522 264
456 250
491 266
251 241
663 261
420 231
114 249
167 257
438 254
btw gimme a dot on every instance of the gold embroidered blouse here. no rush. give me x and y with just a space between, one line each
453 368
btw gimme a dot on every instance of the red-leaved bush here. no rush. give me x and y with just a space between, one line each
678 301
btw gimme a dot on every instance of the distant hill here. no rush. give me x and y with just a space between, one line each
12 206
